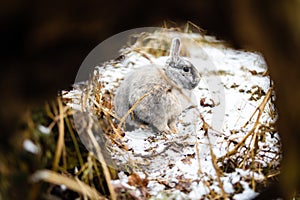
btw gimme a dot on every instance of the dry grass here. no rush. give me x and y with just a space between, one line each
89 171
89 174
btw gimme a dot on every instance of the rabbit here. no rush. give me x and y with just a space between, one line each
156 87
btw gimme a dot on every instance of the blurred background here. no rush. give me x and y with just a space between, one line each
43 44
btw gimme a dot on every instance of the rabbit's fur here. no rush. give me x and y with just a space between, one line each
157 88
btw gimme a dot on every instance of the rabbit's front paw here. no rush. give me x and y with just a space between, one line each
168 129
173 127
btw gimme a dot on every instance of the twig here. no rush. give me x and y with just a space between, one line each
74 141
48 111
61 132
107 113
71 183
101 158
198 157
219 173
131 109
260 108
138 50
105 110
98 174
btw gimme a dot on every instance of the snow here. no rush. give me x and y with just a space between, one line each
63 187
29 146
44 129
231 88
246 194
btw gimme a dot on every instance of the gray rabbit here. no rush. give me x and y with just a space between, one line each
158 88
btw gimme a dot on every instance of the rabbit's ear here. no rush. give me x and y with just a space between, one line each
174 50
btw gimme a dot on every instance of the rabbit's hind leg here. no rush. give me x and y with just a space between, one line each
159 119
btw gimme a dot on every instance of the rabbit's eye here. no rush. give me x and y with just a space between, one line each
186 69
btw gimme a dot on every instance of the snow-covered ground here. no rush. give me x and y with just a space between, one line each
224 116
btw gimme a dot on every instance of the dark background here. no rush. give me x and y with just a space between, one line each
44 42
